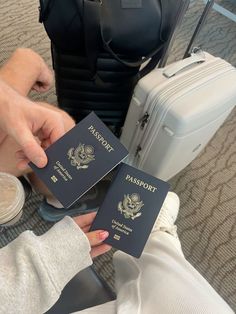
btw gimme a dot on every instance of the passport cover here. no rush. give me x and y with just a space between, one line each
130 209
79 159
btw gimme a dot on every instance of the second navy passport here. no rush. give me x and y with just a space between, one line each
130 209
79 159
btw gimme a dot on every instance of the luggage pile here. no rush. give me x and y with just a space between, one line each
98 48
105 57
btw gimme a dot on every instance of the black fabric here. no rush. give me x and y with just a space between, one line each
120 28
78 94
126 29
91 21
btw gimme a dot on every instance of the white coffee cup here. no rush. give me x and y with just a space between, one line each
12 199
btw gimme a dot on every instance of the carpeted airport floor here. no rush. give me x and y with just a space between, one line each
207 187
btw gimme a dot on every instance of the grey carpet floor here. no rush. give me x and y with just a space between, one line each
207 187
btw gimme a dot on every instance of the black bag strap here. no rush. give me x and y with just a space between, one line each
92 38
133 64
106 38
96 30
152 63
91 22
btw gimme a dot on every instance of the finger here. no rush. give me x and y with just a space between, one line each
85 220
32 150
20 154
41 87
45 144
86 229
98 250
2 136
23 164
57 132
96 237
53 128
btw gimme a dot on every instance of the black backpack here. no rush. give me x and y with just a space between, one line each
98 48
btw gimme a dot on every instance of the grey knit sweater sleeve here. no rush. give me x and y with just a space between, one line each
35 269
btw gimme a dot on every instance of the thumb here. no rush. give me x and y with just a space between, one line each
31 148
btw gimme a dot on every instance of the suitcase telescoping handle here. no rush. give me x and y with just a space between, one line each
200 24
182 64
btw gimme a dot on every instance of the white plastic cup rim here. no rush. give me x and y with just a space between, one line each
13 212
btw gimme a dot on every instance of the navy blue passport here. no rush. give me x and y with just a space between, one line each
79 159
130 209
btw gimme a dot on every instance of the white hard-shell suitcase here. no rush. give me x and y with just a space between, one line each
175 111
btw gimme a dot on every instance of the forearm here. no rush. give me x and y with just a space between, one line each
22 70
34 270
3 103
8 97
9 100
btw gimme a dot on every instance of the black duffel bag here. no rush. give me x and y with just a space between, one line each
99 46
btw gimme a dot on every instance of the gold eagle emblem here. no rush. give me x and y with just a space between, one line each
130 206
81 156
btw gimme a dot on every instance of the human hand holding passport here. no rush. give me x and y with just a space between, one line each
79 159
84 156
130 209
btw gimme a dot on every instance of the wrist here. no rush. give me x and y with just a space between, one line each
10 100
5 99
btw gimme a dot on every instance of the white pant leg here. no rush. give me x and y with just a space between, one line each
161 281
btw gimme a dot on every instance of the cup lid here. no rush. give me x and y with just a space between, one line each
12 197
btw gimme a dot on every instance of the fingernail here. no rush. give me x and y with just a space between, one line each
40 162
103 235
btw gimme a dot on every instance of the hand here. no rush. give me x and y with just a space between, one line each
68 121
38 128
26 70
32 126
95 238
44 80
